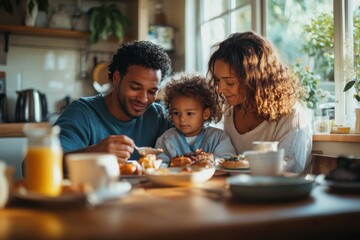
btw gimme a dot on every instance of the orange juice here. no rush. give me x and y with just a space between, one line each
43 170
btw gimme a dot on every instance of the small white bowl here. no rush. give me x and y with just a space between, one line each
175 176
265 163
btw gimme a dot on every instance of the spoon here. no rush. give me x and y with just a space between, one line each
148 150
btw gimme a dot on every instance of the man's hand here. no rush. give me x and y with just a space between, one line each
120 145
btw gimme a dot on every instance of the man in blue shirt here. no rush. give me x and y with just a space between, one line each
128 115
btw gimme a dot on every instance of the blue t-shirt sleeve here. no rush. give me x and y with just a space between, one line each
87 121
218 142
74 133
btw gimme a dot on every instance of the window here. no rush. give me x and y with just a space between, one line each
310 32
219 18
351 61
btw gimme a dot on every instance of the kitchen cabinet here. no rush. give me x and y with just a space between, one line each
137 12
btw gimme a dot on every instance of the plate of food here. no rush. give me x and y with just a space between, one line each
269 188
136 168
233 164
179 176
198 158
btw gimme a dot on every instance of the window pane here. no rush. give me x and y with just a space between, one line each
303 31
212 33
356 36
240 2
213 8
242 19
352 63
286 28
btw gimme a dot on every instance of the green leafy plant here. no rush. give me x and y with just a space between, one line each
319 34
309 80
106 20
7 5
355 83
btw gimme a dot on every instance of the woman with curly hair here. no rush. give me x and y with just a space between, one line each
261 98
191 104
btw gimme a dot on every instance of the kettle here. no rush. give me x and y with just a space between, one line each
31 106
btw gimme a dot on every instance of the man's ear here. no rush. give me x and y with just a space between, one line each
116 78
206 113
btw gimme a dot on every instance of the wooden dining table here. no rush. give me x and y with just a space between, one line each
206 211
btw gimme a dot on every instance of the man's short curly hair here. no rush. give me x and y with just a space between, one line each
141 53
194 86
271 87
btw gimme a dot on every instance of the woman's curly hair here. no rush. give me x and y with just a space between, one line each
194 86
271 88
141 53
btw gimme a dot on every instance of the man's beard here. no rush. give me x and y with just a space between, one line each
123 106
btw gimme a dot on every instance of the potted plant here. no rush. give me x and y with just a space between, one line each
106 20
43 5
31 8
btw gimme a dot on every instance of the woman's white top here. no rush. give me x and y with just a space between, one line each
293 132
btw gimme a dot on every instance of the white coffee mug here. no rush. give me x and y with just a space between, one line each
4 185
95 169
265 145
265 163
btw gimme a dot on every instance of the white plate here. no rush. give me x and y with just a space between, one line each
115 190
233 171
132 176
266 188
65 197
175 176
338 185
134 179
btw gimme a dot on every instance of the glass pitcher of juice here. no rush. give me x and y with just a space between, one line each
43 159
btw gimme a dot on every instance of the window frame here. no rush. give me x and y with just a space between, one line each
344 106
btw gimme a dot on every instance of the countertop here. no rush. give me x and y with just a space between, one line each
15 129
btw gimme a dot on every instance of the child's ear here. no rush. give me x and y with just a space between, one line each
206 113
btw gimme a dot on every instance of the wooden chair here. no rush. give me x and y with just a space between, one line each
322 164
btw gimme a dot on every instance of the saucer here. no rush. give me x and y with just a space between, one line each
233 171
113 191
66 196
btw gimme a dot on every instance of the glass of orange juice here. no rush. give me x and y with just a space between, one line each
43 160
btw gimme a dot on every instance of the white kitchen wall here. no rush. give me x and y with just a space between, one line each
51 66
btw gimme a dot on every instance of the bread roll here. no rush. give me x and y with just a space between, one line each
238 162
149 161
130 168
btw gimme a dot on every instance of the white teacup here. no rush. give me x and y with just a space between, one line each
265 163
265 145
95 169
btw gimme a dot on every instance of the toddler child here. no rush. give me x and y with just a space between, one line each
191 105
